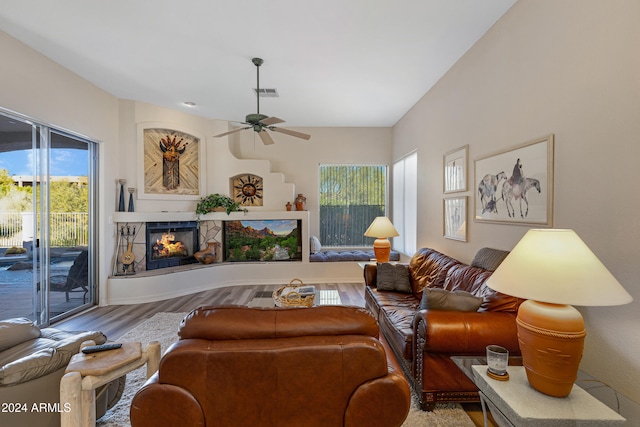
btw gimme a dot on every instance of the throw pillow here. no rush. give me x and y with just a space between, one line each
393 277
489 258
441 299
315 245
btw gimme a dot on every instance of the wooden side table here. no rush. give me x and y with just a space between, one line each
516 403
86 372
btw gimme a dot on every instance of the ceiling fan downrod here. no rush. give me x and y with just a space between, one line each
257 62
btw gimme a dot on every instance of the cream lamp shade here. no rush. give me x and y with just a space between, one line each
381 228
556 266
551 269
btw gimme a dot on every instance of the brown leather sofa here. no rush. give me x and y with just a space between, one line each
240 366
425 339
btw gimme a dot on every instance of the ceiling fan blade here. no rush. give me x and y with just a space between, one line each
291 132
231 131
271 121
266 138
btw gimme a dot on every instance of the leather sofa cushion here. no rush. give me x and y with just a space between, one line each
496 301
473 279
397 322
16 331
429 268
463 277
395 312
375 299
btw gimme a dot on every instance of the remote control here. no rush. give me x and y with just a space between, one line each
102 347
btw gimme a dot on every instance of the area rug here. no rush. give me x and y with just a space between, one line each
163 327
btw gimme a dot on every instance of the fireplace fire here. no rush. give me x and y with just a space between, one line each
171 243
168 247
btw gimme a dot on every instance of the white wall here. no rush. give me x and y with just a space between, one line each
32 85
569 68
292 161
299 159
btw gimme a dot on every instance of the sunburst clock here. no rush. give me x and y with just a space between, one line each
247 189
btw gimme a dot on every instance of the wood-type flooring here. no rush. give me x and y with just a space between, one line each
116 320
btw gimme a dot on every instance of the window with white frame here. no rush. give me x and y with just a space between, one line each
405 203
351 196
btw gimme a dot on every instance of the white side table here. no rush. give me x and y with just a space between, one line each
516 403
86 372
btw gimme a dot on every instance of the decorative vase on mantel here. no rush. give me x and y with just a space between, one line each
300 202
121 199
208 254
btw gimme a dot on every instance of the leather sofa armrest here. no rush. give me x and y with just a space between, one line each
380 402
158 404
465 332
370 274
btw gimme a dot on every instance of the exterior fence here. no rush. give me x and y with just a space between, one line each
345 225
66 228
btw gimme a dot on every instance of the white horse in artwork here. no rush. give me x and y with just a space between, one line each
518 192
487 190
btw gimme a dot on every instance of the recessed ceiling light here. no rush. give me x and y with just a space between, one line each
189 104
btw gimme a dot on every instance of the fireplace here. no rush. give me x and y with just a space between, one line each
170 244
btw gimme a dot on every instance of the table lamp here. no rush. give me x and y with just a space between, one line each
552 268
381 228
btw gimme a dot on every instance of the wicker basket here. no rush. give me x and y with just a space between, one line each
293 298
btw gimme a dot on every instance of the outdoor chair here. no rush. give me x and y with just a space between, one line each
76 280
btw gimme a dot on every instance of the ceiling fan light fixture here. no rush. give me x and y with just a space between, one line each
260 123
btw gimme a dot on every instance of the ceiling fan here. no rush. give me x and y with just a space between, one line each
261 123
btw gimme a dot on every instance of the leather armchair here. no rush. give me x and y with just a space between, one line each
241 366
32 363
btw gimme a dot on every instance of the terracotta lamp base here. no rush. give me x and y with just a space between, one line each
382 249
551 338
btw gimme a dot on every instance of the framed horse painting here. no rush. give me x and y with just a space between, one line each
515 186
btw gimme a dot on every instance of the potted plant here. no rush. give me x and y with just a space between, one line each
216 203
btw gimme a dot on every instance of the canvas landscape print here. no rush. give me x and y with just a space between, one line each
262 240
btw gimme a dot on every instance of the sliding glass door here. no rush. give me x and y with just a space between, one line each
46 240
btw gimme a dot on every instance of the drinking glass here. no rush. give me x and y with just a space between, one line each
497 359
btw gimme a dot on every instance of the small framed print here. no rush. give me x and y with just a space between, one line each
455 170
455 218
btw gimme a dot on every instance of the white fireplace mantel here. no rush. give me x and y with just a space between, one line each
168 283
219 216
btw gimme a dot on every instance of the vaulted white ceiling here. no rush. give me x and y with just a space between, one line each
333 62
